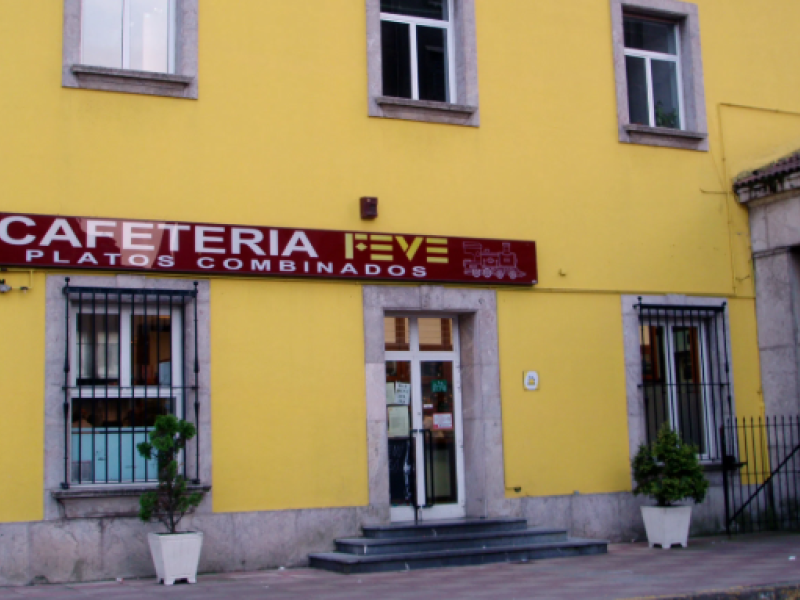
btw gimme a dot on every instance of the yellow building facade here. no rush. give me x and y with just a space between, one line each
271 114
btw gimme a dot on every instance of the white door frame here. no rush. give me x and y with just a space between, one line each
416 358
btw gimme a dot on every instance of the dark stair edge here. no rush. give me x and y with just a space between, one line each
454 537
406 529
352 564
414 556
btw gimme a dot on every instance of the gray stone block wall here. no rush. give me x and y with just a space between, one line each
616 517
74 550
775 232
91 549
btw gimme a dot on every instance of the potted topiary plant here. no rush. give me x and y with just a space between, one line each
175 555
668 471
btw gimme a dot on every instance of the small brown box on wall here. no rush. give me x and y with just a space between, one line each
369 207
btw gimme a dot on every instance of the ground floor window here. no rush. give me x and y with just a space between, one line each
125 366
685 372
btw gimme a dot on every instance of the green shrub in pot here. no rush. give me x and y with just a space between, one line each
668 471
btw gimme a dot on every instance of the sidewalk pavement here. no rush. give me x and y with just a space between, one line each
746 567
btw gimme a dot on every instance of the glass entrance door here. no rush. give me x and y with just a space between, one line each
423 405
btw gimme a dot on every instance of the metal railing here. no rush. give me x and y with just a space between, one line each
761 473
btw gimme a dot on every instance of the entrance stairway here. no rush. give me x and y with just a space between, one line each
426 545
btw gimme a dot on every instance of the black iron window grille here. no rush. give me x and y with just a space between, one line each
126 364
685 373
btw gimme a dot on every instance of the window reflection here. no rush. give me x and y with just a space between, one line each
151 352
396 334
98 349
127 34
436 335
101 33
149 35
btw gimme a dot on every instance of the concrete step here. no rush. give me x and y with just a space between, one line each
354 563
463 541
413 529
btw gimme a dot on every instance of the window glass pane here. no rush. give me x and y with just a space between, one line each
438 410
149 35
105 433
151 350
428 9
101 33
401 442
117 412
98 349
432 63
688 380
396 53
653 36
435 335
395 331
665 93
654 375
638 105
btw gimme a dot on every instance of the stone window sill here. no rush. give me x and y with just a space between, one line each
96 501
130 81
666 137
116 491
427 111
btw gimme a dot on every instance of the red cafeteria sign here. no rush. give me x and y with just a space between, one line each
162 247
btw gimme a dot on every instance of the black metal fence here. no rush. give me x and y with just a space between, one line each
761 473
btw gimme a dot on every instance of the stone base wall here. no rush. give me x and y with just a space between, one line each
91 549
73 550
616 517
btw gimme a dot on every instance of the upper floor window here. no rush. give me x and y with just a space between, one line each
422 60
659 73
135 46
653 69
129 34
416 48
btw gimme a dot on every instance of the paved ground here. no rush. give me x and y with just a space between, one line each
627 571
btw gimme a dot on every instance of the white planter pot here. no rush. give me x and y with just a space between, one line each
175 556
667 525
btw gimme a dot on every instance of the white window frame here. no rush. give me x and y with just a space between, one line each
125 338
126 30
693 134
462 107
180 82
672 400
126 389
447 25
648 57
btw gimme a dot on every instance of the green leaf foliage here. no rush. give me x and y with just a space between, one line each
668 470
170 501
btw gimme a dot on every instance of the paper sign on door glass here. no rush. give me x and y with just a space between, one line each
403 393
438 385
398 421
390 393
442 420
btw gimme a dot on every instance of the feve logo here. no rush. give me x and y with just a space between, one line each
385 247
